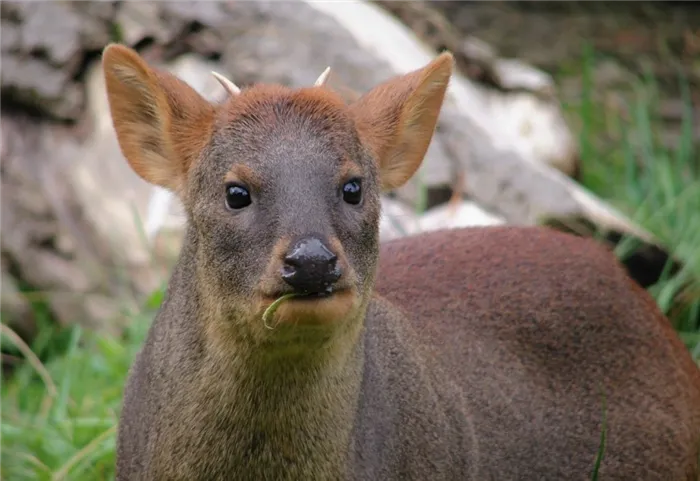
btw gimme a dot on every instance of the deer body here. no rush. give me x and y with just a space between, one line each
466 354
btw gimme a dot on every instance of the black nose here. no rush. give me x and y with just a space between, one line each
311 267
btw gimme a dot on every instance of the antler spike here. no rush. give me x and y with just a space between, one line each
230 87
323 77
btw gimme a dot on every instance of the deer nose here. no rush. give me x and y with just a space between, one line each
311 267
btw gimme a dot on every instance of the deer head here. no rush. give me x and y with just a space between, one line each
281 186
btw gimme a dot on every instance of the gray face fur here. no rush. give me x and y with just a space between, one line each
293 154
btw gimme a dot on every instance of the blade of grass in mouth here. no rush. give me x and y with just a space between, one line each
270 311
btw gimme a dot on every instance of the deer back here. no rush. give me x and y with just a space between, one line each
527 339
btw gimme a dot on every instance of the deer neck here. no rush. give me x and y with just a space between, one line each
296 420
291 416
288 402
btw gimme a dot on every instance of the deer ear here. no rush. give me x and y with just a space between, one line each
397 118
162 124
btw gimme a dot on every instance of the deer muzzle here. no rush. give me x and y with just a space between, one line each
311 267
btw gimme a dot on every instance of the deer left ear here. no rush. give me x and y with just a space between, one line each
162 124
397 119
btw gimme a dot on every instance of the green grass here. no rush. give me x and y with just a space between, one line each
59 413
59 417
603 438
625 163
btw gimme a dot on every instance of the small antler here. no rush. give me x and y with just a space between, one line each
323 77
230 87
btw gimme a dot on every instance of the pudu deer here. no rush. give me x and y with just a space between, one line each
490 353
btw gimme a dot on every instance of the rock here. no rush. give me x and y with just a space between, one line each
205 42
47 43
54 29
16 310
515 101
137 20
462 214
513 74
477 49
34 82
533 128
10 36
292 43
38 210
397 220
206 13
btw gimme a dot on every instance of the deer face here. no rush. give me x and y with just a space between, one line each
281 186
285 199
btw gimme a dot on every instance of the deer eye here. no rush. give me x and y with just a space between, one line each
237 196
352 191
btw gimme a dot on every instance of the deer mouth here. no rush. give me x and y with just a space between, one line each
326 293
291 307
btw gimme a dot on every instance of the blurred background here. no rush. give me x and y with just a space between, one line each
584 116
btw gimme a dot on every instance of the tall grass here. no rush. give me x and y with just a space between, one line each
59 417
625 162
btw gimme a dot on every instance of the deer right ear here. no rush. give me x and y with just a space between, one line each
162 124
397 119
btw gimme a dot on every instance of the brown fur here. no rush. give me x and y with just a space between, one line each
479 353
